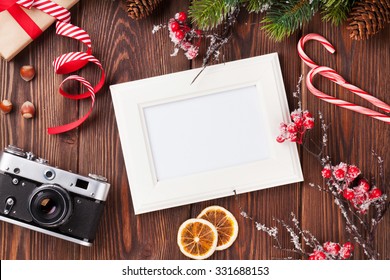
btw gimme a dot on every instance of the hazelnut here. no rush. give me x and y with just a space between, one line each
27 110
5 106
27 72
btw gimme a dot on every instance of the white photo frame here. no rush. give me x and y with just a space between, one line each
185 143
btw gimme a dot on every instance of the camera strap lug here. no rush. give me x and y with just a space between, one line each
8 205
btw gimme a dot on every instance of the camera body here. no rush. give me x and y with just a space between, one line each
43 198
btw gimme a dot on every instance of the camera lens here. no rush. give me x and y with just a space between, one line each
50 205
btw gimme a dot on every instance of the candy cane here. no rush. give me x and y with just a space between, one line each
323 70
332 75
312 36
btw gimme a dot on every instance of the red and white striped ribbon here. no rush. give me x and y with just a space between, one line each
75 32
26 3
332 75
69 62
74 124
48 7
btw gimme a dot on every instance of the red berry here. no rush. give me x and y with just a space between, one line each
317 255
326 173
364 185
280 139
348 194
182 16
349 246
198 32
346 250
375 193
337 248
339 174
292 128
293 137
175 26
186 28
332 247
179 35
306 114
320 256
353 171
296 114
308 123
298 121
345 254
360 198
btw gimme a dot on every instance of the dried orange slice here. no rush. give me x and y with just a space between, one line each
225 223
197 239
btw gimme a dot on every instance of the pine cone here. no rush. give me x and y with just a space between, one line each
137 9
368 17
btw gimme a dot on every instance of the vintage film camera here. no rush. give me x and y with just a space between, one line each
40 197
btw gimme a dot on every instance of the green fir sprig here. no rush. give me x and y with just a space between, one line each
256 6
282 18
336 11
286 17
208 14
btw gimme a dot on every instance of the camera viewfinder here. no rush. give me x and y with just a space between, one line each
82 184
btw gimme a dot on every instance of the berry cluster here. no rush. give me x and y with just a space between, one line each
344 178
333 251
295 130
183 36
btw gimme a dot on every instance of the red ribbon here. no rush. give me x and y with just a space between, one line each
71 62
17 12
66 63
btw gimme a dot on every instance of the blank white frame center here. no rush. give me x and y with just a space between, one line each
206 133
186 142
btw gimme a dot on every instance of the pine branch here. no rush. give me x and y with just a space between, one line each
207 14
336 11
257 6
284 18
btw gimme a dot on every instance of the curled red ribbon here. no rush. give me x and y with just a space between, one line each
71 62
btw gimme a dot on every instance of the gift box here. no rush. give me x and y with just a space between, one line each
20 26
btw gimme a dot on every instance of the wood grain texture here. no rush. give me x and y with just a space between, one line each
129 51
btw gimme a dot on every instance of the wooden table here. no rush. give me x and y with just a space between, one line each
129 51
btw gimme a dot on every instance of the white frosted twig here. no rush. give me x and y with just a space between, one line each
157 28
294 237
